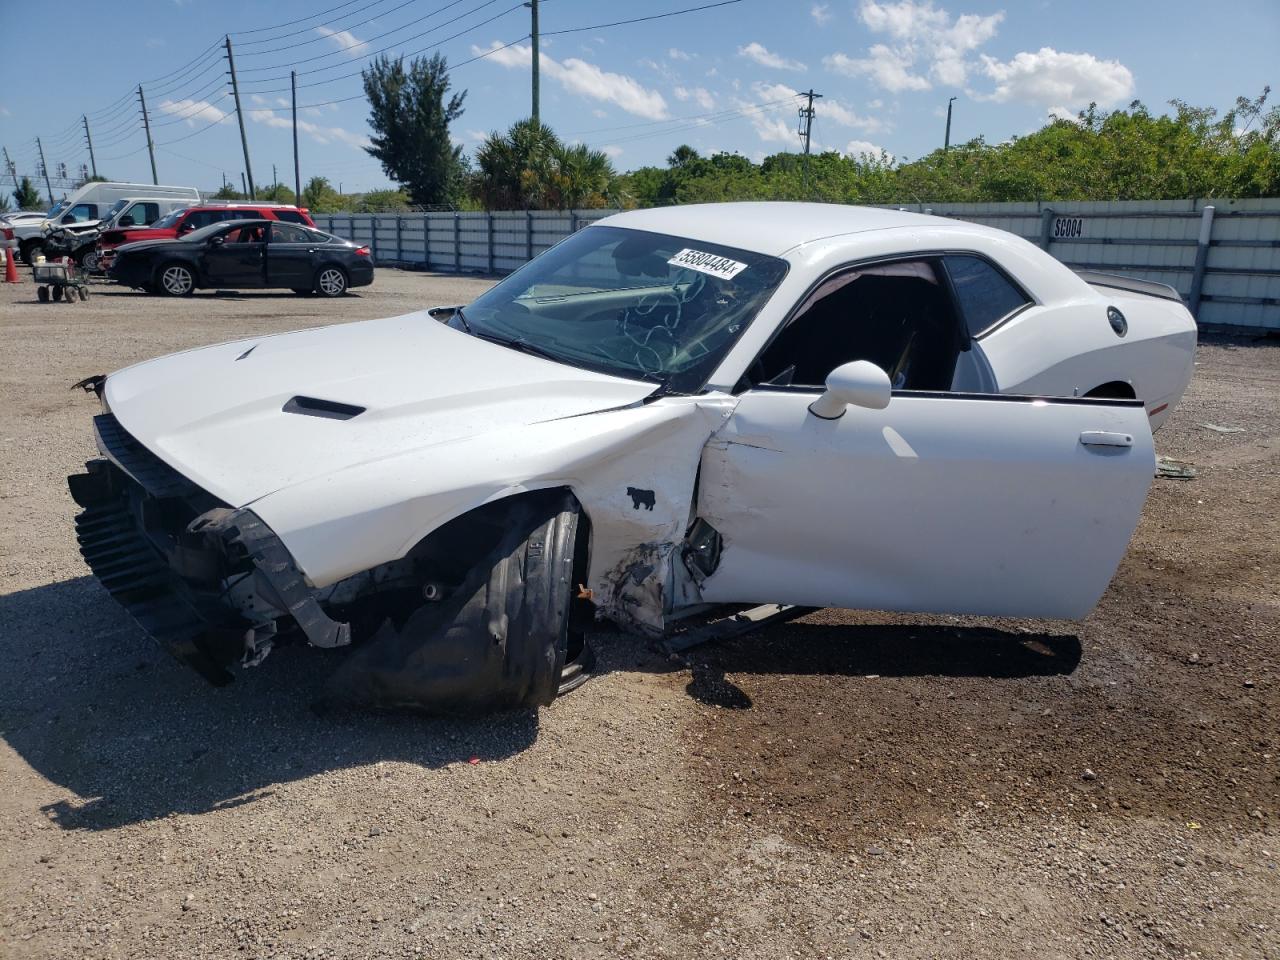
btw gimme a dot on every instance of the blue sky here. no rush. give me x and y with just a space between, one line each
722 78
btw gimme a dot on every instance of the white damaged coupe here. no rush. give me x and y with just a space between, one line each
671 410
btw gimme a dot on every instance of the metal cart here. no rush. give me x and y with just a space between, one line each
59 281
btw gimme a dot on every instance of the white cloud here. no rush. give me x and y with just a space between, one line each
345 40
929 45
611 151
1061 113
856 148
675 53
1063 81
192 111
585 79
821 13
758 53
479 136
776 125
318 133
826 109
886 67
699 95
599 114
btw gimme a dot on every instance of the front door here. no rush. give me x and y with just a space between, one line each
239 261
939 503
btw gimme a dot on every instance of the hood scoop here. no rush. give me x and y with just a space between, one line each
324 409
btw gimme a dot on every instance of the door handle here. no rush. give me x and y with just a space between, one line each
1105 438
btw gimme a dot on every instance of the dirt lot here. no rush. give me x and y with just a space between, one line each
848 785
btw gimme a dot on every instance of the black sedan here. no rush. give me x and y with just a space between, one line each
245 254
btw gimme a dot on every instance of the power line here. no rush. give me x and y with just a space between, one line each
346 27
290 23
654 16
375 53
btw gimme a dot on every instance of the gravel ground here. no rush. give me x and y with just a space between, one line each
846 785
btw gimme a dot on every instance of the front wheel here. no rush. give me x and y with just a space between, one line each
88 260
331 282
30 250
177 280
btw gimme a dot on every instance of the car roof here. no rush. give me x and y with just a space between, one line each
771 227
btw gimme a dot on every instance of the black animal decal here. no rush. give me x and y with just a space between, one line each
641 498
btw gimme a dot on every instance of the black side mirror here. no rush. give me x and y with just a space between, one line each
217 241
127 221
69 218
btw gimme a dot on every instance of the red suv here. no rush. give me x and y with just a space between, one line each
181 222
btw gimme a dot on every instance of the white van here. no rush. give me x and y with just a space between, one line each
87 207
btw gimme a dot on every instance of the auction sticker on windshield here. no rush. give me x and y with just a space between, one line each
710 263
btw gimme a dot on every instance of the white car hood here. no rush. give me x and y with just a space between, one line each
216 413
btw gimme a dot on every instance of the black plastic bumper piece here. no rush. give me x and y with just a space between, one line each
137 575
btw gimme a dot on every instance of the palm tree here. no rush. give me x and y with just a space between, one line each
529 168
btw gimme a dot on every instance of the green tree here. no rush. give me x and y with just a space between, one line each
277 193
529 168
383 201
318 196
410 116
27 196
228 192
5 206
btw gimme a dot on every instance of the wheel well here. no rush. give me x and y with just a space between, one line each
1114 390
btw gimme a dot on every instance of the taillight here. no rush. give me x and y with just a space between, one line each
362 251
8 234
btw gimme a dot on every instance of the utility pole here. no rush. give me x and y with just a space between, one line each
946 143
93 162
806 129
244 141
146 124
44 168
275 180
8 165
533 33
297 171
243 188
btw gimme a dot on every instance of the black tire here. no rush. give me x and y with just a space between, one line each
331 281
174 279
28 249
57 294
42 294
501 639
84 293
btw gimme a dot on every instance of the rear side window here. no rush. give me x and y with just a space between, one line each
284 233
290 216
985 295
144 213
202 218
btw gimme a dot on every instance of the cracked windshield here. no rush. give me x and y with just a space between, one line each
629 303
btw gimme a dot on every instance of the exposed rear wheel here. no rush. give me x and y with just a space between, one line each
331 281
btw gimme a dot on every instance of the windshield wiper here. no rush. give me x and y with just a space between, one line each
524 346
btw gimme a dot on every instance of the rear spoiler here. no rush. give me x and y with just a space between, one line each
1131 284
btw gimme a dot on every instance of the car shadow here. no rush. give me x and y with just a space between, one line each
884 650
96 707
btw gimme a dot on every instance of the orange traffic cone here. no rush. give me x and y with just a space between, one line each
10 268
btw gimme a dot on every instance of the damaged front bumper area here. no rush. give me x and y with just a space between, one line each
480 616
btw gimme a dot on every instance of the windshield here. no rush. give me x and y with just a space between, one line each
58 209
169 219
630 303
115 208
